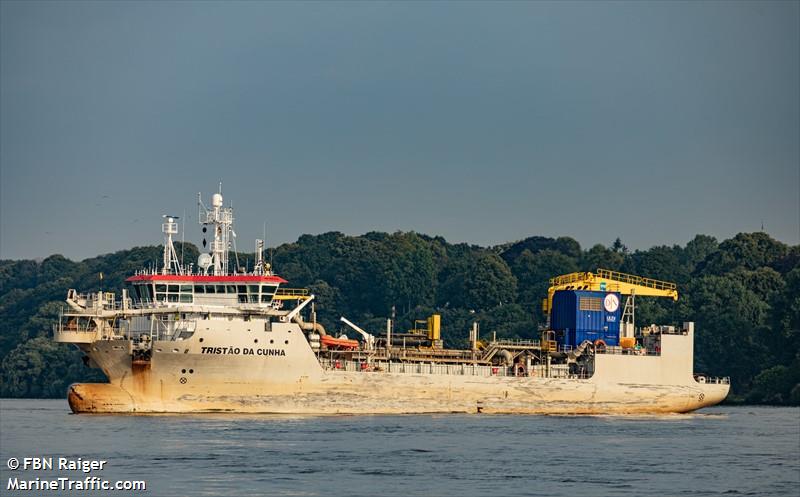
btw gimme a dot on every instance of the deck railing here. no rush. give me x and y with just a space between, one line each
463 369
713 380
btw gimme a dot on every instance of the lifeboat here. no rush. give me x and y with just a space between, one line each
339 343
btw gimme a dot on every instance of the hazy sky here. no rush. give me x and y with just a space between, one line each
481 122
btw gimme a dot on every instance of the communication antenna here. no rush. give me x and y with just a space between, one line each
269 265
259 267
235 249
183 235
204 261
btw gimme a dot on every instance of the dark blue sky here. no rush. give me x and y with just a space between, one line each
481 122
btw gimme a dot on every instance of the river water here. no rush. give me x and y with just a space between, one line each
716 451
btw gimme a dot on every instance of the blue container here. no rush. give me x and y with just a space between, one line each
580 315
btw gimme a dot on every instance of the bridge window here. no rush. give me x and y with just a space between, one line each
137 293
144 293
168 292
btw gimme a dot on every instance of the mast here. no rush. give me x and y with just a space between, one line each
171 264
259 267
220 219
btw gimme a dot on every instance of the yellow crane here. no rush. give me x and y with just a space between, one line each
605 280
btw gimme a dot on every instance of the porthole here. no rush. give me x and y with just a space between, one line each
255 341
183 371
201 339
272 341
191 371
286 342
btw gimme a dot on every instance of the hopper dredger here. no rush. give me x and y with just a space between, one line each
204 338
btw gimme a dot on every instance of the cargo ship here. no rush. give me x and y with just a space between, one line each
206 337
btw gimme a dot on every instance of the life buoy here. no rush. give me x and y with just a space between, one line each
599 345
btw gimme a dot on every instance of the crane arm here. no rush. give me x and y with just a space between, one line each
368 339
610 281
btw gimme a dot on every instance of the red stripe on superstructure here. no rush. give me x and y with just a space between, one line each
207 279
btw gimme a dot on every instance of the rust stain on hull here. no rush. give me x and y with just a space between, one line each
99 398
140 377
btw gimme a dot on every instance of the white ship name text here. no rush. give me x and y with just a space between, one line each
242 351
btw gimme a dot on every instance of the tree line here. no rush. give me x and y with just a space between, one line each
743 293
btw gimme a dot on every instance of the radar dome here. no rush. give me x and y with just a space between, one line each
204 261
216 200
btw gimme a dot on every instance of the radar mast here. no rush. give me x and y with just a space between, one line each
220 220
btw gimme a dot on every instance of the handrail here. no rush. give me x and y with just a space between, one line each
608 274
633 279
291 292
565 279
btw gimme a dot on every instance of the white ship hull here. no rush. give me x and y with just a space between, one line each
285 376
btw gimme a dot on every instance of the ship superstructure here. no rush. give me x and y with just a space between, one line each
208 338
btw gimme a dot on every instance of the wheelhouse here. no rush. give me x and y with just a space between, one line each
160 289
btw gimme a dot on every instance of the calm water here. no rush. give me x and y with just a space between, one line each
731 451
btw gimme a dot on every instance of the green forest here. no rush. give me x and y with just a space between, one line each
743 293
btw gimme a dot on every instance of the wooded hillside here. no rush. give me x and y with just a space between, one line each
743 293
